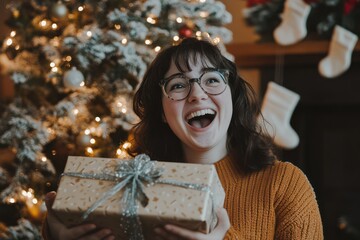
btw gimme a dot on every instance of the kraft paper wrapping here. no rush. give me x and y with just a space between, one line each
188 208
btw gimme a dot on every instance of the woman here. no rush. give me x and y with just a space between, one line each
195 108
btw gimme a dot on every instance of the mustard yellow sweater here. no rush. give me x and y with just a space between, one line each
275 203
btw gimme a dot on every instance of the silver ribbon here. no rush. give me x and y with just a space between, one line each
133 176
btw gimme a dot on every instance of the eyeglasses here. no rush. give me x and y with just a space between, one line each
178 86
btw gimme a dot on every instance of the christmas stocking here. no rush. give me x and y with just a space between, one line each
277 108
293 26
338 59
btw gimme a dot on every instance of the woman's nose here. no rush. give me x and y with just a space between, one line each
196 93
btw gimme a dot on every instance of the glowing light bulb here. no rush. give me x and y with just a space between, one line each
176 38
97 119
54 26
89 33
92 141
87 131
89 150
124 41
157 48
52 64
179 20
43 159
9 41
81 8
117 26
12 34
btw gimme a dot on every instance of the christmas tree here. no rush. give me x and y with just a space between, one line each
76 65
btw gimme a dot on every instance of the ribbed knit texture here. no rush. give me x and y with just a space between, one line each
275 203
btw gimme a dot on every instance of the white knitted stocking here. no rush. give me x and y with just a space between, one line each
277 108
338 59
293 25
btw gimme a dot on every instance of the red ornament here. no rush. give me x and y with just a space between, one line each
185 31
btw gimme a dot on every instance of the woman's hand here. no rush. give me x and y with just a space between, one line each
58 231
172 232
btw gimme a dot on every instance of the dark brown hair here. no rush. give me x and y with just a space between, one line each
246 143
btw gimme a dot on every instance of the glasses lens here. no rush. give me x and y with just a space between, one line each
177 87
213 82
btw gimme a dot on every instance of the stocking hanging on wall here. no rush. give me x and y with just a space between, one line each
277 108
293 25
338 59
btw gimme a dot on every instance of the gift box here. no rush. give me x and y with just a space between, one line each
103 189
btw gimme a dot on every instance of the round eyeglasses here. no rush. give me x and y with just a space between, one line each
178 86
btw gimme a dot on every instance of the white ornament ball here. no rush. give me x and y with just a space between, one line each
83 140
59 10
73 78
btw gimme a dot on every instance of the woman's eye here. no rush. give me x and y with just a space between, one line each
212 81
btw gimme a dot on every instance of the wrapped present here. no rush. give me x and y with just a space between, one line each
132 197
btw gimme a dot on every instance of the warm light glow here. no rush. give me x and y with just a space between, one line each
90 150
34 201
117 26
9 41
89 33
17 47
87 131
148 42
151 20
124 41
82 84
179 19
44 159
157 48
52 64
126 145
81 8
54 69
119 104
118 151
12 34
76 111
202 1
68 58
98 119
123 110
216 40
204 14
92 141
12 200
176 38
54 26
43 23
198 33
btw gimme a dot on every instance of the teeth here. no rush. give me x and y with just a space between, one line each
199 113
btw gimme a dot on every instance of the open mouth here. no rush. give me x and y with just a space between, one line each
201 119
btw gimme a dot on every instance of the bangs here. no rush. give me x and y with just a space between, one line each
189 52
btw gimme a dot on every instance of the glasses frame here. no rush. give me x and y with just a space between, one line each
224 73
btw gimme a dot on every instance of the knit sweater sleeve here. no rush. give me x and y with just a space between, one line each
297 212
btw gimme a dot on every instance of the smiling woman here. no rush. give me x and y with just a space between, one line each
194 108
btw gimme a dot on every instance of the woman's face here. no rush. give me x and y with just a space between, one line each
200 121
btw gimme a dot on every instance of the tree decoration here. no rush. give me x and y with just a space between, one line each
185 31
73 78
59 11
52 116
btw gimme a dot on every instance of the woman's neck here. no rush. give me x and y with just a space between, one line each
208 156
